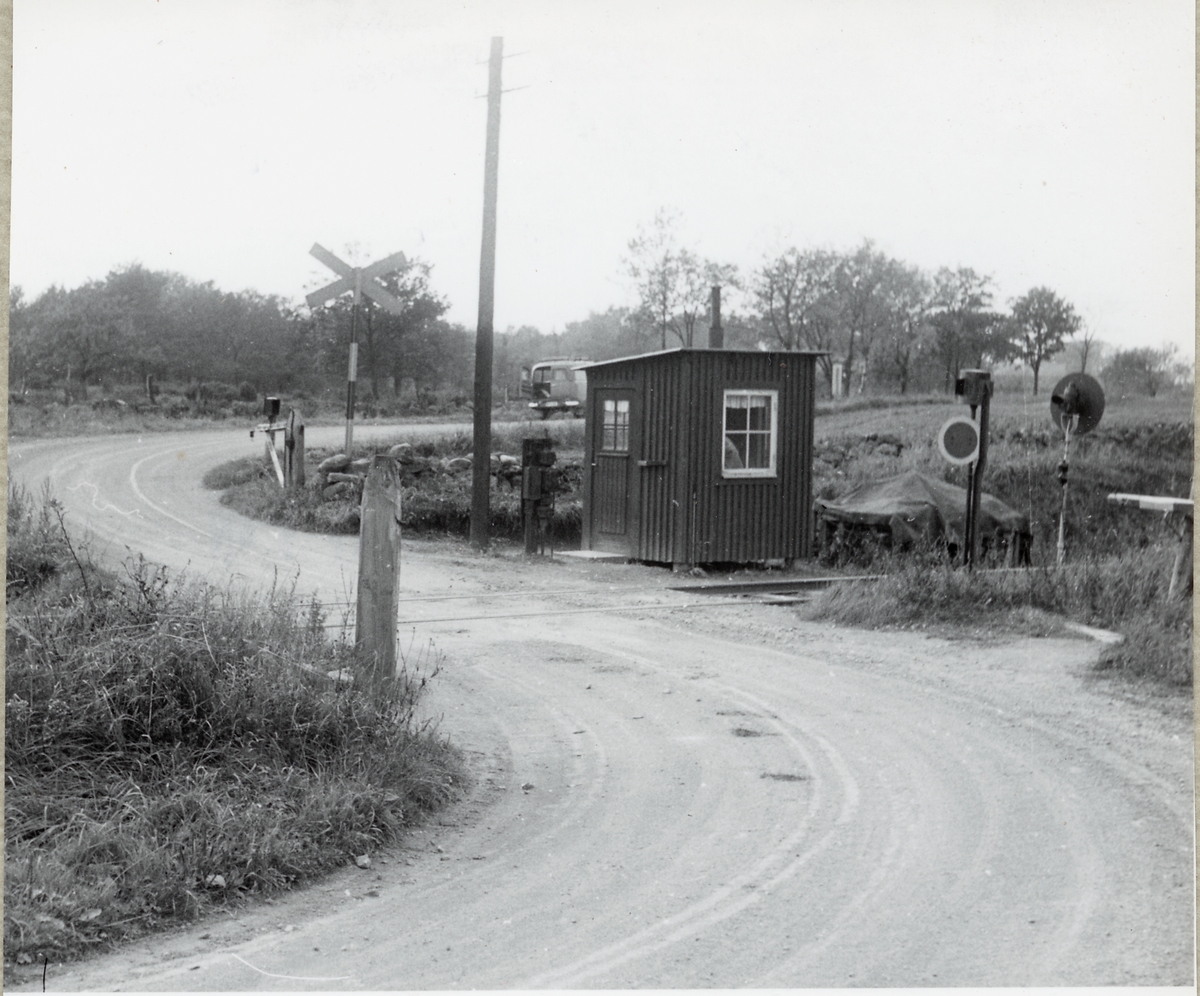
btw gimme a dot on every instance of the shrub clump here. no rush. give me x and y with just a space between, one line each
172 748
435 501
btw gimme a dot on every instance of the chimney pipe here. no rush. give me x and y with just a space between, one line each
716 334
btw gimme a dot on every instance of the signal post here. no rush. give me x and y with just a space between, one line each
963 441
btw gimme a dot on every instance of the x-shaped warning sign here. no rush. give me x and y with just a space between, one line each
361 280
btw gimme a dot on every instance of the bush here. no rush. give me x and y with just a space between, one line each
438 503
36 544
173 747
304 509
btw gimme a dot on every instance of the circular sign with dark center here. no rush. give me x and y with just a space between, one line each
958 440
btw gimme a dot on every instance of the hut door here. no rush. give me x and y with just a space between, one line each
612 448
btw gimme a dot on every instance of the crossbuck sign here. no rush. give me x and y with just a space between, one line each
361 280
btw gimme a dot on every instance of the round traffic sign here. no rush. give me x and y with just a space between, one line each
958 440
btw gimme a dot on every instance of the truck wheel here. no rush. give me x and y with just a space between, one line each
546 413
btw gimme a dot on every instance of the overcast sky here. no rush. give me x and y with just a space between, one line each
1045 143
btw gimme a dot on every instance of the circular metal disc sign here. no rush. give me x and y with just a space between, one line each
958 440
1077 394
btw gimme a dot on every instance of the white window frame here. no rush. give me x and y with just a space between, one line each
619 427
749 392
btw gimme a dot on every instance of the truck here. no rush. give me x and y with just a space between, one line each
558 385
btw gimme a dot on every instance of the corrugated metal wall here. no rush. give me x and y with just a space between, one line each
750 519
686 512
662 420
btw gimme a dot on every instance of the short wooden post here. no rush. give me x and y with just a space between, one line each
293 450
298 478
379 567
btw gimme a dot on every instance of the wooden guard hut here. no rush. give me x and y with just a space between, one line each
700 456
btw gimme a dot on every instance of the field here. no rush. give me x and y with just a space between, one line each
125 408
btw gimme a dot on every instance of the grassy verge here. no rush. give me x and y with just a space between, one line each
172 748
438 504
1023 455
1118 559
1124 593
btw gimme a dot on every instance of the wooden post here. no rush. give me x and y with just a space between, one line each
298 479
1181 571
293 450
379 568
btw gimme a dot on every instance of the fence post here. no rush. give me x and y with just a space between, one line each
293 450
379 567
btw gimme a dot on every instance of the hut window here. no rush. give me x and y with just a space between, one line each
615 436
751 421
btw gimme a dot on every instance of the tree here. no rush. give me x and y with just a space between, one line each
391 344
601 336
137 296
860 306
673 283
81 333
795 299
1042 320
1144 371
1087 347
909 295
958 317
22 346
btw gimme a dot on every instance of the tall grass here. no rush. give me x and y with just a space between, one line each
174 747
1023 455
1125 593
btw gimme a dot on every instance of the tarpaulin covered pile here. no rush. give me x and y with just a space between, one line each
914 508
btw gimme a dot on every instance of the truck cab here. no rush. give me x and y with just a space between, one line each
558 386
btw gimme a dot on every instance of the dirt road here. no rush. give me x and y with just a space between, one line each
666 798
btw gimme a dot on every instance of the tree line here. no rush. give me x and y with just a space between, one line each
138 323
880 322
881 325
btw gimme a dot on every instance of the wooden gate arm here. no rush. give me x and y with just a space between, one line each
1155 503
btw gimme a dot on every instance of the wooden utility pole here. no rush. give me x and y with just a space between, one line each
481 468
379 568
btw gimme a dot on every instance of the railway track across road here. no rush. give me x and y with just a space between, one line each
685 787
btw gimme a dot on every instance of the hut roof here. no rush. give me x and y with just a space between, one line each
700 349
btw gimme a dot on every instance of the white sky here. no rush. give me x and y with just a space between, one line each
1045 143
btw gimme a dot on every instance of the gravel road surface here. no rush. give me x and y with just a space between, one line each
682 797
